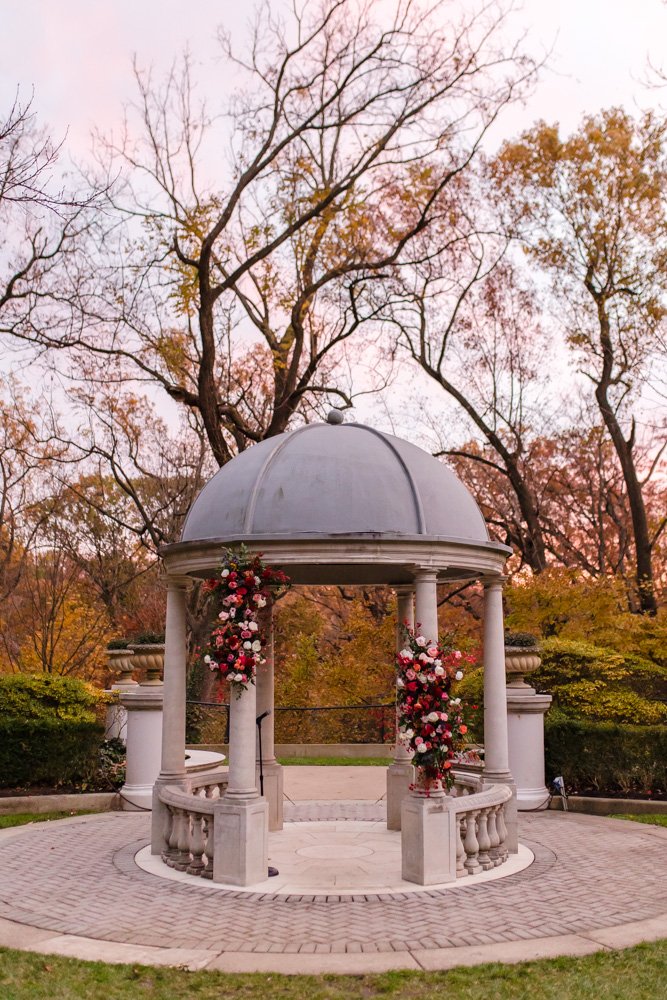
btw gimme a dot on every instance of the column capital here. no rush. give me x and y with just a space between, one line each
404 589
178 581
425 573
494 582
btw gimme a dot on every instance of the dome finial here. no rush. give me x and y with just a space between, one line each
335 416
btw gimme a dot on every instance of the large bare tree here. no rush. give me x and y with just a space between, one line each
239 251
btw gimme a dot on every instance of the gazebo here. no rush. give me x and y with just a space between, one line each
330 503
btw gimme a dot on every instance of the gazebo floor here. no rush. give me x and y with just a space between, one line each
336 858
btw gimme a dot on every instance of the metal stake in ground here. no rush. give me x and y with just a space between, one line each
259 720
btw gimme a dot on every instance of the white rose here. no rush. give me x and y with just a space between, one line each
238 677
252 626
260 602
444 716
456 701
207 659
421 748
256 645
459 675
421 641
223 616
400 683
423 657
224 573
406 654
257 581
409 733
232 612
421 677
432 717
247 645
439 671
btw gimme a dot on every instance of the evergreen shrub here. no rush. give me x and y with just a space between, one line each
605 758
48 751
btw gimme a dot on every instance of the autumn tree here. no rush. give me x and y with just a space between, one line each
591 209
234 285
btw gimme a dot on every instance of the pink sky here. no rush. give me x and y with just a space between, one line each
77 54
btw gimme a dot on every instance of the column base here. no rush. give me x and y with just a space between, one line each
399 778
428 839
273 792
532 799
241 853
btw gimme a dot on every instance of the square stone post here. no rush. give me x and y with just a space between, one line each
400 773
273 772
172 771
496 752
241 818
428 838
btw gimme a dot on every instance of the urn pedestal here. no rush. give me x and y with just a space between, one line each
525 729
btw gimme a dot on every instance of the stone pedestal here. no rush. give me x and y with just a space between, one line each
116 717
428 839
144 739
241 844
400 775
525 718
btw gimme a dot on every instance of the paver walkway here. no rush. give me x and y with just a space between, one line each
77 880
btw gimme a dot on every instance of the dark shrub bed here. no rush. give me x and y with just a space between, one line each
606 758
48 751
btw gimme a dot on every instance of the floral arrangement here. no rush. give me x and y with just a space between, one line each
430 722
243 587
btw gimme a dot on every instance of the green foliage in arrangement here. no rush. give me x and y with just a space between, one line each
118 644
605 758
521 640
47 696
148 639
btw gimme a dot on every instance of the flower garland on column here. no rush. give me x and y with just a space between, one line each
430 721
244 586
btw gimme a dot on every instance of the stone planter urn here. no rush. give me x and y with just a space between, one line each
121 661
149 656
519 661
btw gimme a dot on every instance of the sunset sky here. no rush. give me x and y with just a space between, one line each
77 55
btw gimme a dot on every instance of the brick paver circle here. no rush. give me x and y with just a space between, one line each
80 878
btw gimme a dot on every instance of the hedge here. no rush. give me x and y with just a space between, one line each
48 751
46 696
607 758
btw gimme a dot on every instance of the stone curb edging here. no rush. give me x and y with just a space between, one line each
28 938
95 801
604 807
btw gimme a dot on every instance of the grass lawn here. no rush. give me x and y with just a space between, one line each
635 974
655 819
19 819
338 761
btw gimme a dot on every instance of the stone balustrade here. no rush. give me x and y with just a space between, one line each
189 818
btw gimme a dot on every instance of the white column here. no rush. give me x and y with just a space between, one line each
172 769
401 773
426 603
273 772
496 753
241 818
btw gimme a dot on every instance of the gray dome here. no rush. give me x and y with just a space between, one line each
334 480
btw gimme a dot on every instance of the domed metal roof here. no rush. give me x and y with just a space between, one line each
333 480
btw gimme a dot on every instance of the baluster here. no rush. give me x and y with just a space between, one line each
484 840
471 844
196 866
210 791
172 849
460 849
183 858
208 846
166 833
493 836
503 853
